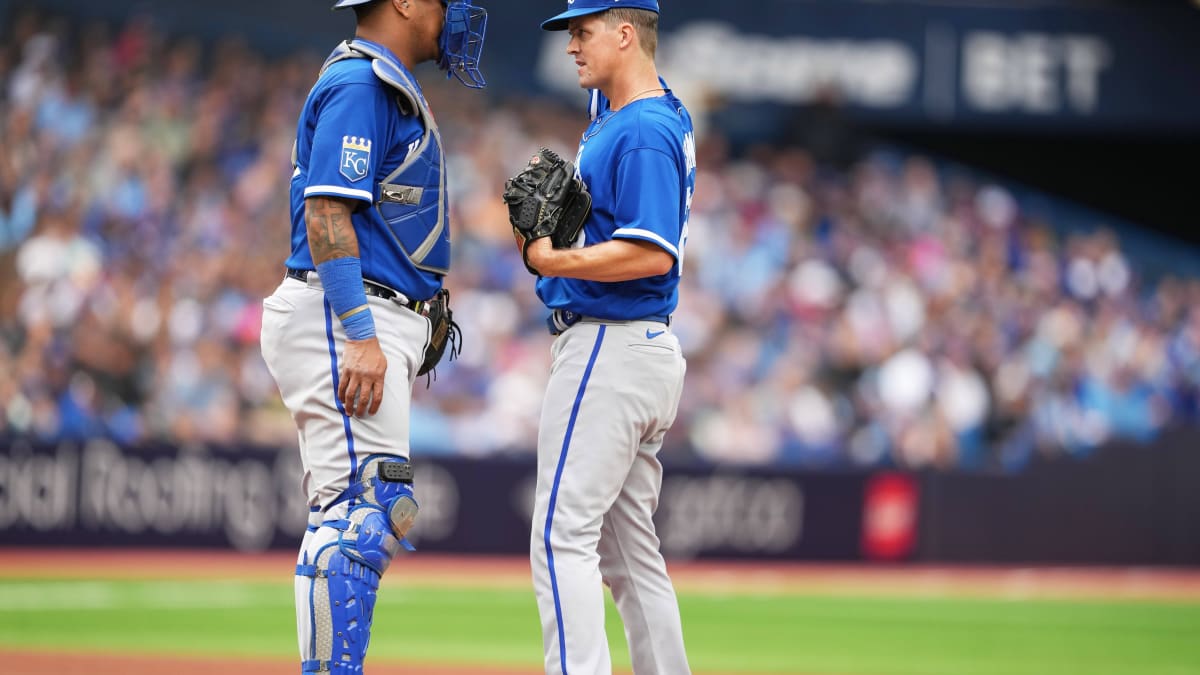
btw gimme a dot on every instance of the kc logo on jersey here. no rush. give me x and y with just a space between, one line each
356 157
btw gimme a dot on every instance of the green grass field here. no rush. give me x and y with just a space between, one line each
780 632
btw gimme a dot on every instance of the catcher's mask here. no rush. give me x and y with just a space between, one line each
461 42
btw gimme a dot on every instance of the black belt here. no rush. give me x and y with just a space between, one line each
562 319
369 287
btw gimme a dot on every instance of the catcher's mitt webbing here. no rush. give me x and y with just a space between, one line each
443 332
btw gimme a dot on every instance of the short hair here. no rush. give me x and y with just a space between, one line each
644 21
365 10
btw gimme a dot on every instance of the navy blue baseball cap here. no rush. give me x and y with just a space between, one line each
584 7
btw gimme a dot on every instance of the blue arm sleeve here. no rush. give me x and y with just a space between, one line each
343 283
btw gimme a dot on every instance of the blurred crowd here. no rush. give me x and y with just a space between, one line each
893 312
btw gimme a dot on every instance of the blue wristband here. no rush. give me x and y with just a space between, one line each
343 282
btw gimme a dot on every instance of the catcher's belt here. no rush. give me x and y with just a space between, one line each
446 332
370 288
562 319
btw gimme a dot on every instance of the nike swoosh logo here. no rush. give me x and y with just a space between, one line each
650 335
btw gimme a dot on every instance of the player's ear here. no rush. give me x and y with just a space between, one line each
404 7
627 35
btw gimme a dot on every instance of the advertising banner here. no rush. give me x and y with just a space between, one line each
248 499
1129 504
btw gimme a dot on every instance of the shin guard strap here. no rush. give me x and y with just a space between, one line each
310 571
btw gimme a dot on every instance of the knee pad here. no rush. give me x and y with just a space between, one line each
381 510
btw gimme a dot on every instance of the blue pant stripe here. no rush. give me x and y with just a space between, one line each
562 460
333 367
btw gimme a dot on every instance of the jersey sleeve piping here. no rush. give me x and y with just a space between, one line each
338 191
647 235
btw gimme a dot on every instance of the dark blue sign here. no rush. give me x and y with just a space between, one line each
248 499
1060 66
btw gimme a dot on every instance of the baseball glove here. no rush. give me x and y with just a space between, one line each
443 332
546 200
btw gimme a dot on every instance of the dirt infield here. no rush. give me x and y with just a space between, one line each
792 578
716 577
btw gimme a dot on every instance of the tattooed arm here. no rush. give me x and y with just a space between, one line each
330 232
331 236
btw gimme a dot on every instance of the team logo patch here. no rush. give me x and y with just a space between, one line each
356 157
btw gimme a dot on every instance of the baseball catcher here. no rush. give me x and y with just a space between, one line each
546 199
362 307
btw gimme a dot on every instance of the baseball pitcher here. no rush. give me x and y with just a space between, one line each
361 311
618 371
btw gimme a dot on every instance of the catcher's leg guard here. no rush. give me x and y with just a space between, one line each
338 575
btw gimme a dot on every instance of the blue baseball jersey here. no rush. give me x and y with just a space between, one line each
351 135
639 164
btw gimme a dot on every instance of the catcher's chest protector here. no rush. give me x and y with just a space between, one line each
412 199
